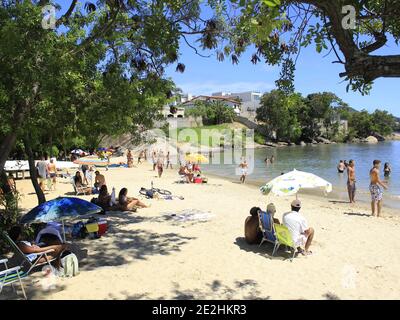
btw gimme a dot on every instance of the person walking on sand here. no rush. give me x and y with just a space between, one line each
53 174
375 189
43 171
243 167
351 181
153 159
160 166
169 160
129 159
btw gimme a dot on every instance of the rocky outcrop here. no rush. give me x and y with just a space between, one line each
371 139
322 140
378 136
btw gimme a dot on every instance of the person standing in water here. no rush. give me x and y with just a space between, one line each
375 189
243 167
351 181
341 166
387 170
272 159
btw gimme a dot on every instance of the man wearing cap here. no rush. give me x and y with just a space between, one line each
302 235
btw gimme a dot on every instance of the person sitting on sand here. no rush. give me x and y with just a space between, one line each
33 251
189 175
128 203
341 167
302 235
104 198
252 231
271 209
79 183
99 180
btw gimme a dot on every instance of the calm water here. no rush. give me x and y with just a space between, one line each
321 160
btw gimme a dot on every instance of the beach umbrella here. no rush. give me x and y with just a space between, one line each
196 157
291 182
77 151
60 209
92 161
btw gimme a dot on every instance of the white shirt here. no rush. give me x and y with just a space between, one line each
297 225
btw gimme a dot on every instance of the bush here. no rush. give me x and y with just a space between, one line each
9 213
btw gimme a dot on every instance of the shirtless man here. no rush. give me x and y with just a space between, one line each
351 181
243 167
375 189
53 173
99 180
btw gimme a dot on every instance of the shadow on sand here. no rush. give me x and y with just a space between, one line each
357 214
265 250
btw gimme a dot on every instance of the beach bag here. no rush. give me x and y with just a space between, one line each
70 265
78 230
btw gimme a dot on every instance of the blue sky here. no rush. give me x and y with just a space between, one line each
314 73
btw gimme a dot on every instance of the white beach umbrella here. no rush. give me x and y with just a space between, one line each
291 182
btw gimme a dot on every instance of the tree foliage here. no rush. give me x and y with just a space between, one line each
212 112
293 117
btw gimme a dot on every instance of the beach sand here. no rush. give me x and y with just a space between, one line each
145 256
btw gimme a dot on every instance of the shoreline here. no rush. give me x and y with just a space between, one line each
317 195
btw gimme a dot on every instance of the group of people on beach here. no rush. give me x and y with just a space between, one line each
46 173
376 184
191 172
302 234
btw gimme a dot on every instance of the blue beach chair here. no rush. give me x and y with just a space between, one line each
267 229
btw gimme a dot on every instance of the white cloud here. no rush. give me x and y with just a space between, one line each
208 87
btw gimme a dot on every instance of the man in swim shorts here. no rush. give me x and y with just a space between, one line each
375 189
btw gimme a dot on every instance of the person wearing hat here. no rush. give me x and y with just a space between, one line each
302 234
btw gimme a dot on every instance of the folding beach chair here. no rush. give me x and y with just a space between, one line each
283 237
11 275
267 228
24 260
78 190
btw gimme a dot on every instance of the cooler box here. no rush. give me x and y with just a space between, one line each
103 225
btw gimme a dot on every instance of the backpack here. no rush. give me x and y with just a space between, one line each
70 265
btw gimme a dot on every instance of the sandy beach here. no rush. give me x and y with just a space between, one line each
146 255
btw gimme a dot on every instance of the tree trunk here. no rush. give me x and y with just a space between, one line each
9 140
32 172
5 148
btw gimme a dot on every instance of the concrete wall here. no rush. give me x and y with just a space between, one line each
188 122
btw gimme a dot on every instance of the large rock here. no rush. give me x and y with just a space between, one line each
282 144
302 143
322 140
378 136
271 144
371 139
